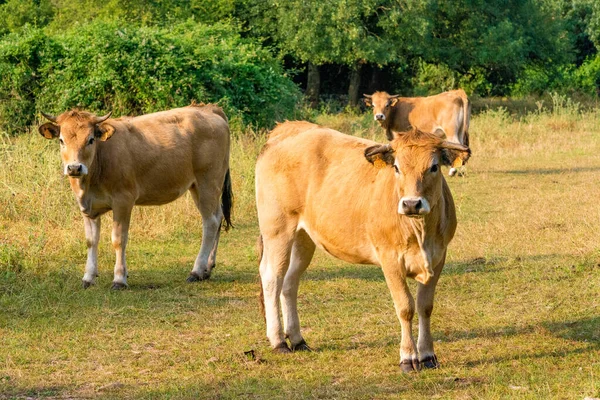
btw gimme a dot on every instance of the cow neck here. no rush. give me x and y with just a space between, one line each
81 186
424 230
387 123
420 231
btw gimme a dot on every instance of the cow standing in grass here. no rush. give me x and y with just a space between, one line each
447 113
364 203
114 164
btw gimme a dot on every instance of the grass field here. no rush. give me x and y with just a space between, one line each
517 311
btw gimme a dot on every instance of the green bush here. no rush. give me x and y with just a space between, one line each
588 76
20 60
104 66
538 80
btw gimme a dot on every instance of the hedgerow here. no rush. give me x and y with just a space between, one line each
105 66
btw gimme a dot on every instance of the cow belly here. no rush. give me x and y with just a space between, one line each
159 197
355 253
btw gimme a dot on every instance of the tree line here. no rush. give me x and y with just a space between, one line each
331 48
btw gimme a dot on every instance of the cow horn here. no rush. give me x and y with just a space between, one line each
98 120
394 96
454 146
368 96
378 150
49 117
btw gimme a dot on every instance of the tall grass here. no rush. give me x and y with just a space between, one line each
516 311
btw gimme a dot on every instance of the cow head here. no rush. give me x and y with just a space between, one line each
78 133
381 103
417 158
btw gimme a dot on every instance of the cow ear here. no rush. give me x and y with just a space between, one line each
104 131
380 153
454 154
393 101
49 130
368 101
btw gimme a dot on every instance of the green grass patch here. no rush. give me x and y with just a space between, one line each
517 311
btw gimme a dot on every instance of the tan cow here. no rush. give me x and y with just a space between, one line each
449 112
362 202
114 164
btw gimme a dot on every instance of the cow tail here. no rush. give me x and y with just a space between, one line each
466 119
227 201
261 296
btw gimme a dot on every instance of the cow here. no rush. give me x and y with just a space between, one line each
153 159
448 112
364 203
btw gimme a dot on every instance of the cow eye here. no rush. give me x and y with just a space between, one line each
91 141
62 143
434 168
396 169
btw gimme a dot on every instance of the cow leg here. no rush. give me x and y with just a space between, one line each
120 234
273 268
92 237
425 295
207 201
302 253
405 310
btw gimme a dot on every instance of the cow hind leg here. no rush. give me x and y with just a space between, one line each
303 250
207 202
273 268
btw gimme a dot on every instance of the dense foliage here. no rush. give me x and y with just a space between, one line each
135 56
132 70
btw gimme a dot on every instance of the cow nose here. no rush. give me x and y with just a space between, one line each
379 117
74 169
411 206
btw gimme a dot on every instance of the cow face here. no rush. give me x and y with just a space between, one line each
417 158
78 133
381 103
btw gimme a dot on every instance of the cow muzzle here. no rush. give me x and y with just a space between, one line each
413 206
76 170
379 117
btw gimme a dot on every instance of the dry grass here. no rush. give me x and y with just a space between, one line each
517 312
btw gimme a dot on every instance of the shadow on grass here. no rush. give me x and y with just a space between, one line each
346 271
583 330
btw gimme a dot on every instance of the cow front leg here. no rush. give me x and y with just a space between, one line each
405 310
120 234
425 297
92 237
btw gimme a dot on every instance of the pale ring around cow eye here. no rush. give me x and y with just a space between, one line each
434 168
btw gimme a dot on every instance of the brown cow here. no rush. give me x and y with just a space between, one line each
362 202
449 112
114 164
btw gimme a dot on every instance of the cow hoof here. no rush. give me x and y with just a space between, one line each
118 286
409 366
194 277
302 346
430 362
282 348
86 284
